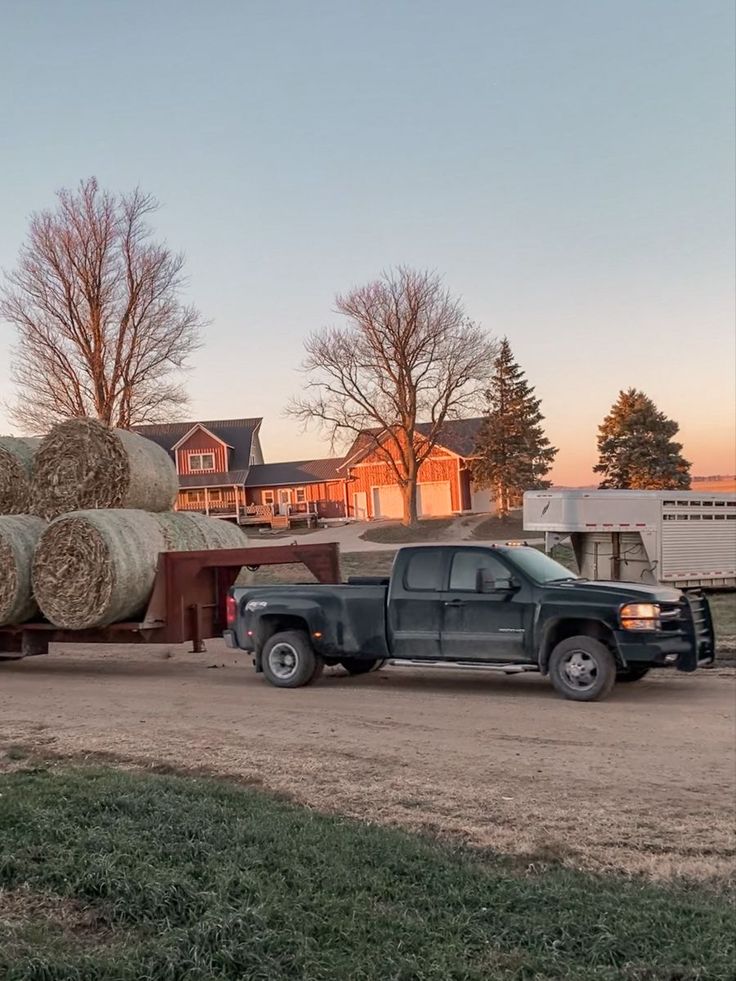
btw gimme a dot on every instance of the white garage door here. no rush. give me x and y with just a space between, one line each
387 502
483 501
434 500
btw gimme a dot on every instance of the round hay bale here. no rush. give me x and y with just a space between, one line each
188 531
83 464
19 535
16 460
94 568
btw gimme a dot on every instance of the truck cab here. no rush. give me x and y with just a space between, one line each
509 608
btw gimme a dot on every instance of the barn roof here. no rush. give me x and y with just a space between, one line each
457 435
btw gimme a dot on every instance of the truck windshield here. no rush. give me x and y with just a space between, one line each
539 566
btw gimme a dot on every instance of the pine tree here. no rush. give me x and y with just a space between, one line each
635 447
513 453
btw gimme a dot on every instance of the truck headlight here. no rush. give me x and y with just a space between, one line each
639 616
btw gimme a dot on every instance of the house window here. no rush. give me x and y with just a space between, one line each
196 497
215 495
201 461
268 497
301 495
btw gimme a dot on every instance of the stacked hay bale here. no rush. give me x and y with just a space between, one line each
83 464
16 462
19 535
94 568
109 495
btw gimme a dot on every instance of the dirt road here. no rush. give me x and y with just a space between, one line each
643 782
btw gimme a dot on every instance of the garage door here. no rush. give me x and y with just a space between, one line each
387 502
434 499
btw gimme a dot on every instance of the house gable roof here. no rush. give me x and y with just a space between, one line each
298 473
457 435
235 433
198 426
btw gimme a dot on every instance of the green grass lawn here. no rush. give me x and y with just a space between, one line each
394 533
723 608
502 529
112 875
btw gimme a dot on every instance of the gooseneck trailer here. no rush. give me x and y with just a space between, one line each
188 602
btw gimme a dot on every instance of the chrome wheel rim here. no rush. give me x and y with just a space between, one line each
283 661
580 670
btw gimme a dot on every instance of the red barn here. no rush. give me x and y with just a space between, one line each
445 485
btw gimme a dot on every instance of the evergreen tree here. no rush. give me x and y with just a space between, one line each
635 447
513 453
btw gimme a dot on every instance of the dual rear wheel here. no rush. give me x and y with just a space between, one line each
289 661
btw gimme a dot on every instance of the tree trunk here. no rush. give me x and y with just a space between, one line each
409 493
502 500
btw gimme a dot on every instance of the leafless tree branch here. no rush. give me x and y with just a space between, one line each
407 354
101 329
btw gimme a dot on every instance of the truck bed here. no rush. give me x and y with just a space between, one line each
350 618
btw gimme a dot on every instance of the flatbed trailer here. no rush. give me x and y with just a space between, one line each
187 603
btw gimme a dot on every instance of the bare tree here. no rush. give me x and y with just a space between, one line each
407 355
96 303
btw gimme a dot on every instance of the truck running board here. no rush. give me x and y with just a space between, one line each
465 665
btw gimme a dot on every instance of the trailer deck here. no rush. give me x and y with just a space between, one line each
187 602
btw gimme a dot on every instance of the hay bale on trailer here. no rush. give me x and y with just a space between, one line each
19 535
188 531
83 464
94 568
16 461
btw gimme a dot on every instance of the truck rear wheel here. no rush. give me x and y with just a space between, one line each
582 669
289 660
355 665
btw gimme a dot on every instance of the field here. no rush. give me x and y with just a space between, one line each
124 876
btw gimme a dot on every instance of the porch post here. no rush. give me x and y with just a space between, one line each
206 501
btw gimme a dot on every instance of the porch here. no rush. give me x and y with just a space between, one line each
225 504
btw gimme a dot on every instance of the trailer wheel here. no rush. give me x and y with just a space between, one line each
289 660
582 669
354 665
634 672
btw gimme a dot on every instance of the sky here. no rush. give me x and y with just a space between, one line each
567 167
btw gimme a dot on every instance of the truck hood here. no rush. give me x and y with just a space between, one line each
622 591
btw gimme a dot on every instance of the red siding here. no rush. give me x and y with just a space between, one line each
373 472
200 442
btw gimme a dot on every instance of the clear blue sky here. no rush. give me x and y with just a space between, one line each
567 166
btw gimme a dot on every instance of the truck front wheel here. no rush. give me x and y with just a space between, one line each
289 660
582 669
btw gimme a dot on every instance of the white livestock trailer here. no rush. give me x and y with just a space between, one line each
684 538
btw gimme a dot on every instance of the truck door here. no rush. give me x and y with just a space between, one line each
416 606
487 626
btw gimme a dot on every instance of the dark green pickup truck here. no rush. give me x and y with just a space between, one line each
508 608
